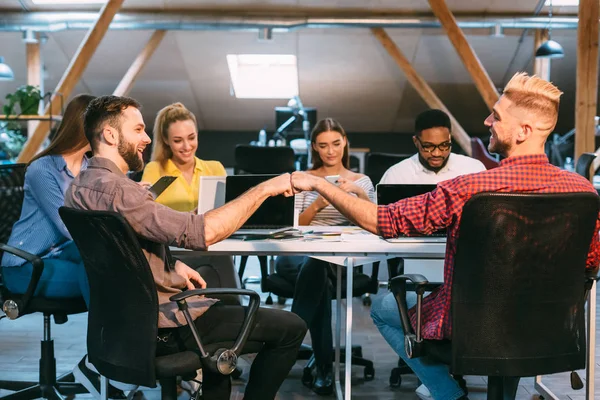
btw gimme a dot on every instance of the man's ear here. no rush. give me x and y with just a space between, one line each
525 133
110 136
415 141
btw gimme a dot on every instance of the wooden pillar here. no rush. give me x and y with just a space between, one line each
124 87
480 77
587 76
34 73
72 75
422 87
541 66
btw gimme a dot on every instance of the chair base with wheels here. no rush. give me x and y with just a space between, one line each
275 283
18 305
48 386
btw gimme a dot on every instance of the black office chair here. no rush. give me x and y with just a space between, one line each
123 316
261 160
520 262
584 164
12 180
378 163
277 284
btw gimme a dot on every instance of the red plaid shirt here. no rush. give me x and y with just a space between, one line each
442 208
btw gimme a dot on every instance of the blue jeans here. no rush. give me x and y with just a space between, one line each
63 277
433 374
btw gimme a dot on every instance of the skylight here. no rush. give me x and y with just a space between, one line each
71 2
263 76
560 3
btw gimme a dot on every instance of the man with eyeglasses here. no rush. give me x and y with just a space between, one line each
434 161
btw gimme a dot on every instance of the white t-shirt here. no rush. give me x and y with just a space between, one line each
411 171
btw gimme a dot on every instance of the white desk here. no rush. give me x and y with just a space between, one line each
355 248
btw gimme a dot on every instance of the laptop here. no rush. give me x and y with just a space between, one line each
211 194
388 194
275 214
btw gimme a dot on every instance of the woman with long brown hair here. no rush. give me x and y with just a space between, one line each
312 298
40 230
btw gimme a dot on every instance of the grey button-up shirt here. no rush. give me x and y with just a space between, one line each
104 187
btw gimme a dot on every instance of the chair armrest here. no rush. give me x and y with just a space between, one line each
211 292
398 288
247 325
38 268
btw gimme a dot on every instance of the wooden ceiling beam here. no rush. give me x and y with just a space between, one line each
587 77
124 87
482 80
71 76
424 90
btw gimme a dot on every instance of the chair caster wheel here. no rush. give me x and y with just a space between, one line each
395 378
369 373
307 377
367 301
281 300
269 300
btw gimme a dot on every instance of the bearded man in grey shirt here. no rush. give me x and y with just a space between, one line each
116 131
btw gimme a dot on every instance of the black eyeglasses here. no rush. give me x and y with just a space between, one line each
430 147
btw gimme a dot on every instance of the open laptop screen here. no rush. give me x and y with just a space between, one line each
388 193
277 211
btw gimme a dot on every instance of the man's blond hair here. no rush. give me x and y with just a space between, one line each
534 94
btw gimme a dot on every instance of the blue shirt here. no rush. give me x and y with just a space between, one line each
40 230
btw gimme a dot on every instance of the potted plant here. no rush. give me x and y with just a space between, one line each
27 97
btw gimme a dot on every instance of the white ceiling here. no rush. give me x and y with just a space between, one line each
343 72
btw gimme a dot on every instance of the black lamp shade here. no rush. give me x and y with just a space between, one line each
6 73
550 49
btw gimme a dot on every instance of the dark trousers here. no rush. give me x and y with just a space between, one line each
276 337
312 300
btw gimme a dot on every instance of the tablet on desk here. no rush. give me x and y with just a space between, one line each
160 185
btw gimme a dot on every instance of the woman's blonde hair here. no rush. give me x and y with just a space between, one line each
534 94
165 117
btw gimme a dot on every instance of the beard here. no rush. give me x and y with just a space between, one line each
499 147
129 152
429 167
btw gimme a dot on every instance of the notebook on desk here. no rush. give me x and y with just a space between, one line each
275 214
388 194
211 194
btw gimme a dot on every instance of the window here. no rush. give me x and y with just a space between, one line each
74 2
263 76
559 3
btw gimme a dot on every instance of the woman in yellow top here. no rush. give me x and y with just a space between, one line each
174 153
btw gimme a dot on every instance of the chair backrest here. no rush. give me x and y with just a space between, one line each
12 182
378 163
584 163
123 310
479 152
264 160
518 283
